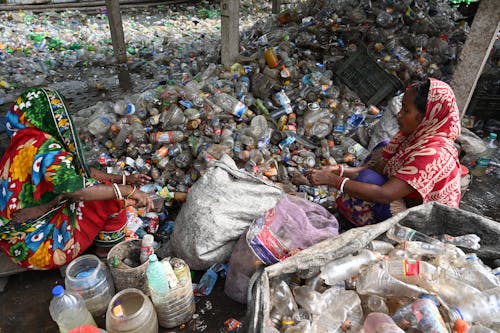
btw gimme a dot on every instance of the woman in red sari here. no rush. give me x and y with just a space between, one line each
52 206
420 163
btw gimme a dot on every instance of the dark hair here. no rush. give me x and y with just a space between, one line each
421 90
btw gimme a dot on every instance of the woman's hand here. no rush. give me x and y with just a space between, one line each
327 175
142 199
138 179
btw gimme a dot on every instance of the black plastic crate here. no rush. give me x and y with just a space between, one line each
367 78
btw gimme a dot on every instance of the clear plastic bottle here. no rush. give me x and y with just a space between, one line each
350 145
484 159
342 312
423 314
483 308
470 241
377 322
309 299
283 303
68 310
416 272
477 274
400 234
343 268
233 106
168 137
157 280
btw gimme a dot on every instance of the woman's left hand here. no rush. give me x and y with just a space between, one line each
138 179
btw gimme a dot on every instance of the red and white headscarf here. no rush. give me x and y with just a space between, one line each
427 159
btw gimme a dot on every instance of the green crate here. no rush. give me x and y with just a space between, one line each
367 78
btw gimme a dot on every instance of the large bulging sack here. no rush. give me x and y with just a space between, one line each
218 209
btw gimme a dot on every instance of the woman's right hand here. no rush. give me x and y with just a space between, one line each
142 199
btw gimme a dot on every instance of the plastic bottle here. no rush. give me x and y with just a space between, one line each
484 159
342 312
232 106
271 58
400 234
309 299
68 310
146 247
157 280
422 314
479 307
346 267
283 303
168 137
470 241
477 274
416 272
377 322
350 145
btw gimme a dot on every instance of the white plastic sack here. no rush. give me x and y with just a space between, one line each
219 206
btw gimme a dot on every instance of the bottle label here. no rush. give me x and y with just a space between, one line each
239 109
411 267
164 137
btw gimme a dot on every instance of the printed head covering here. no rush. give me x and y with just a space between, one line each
45 109
427 159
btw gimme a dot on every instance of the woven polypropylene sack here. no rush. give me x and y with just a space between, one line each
219 206
432 218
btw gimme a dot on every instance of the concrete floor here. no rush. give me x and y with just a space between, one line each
24 306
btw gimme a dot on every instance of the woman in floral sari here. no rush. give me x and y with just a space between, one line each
52 206
420 163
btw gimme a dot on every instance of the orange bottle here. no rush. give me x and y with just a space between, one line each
271 58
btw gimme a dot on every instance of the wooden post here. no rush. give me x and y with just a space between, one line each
276 6
116 28
230 31
475 52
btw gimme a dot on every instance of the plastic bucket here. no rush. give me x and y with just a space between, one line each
131 311
89 276
134 277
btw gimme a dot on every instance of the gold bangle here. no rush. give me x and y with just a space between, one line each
134 188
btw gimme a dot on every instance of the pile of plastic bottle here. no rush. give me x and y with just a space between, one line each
420 284
278 110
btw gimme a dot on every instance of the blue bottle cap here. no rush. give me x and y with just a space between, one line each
58 290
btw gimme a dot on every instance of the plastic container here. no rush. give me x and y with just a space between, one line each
133 277
369 80
131 311
89 277
485 158
178 305
68 310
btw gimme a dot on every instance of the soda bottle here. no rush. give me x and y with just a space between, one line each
484 159
68 310
233 106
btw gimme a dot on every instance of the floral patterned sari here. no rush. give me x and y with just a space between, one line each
43 161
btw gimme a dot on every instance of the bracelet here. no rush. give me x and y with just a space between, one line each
124 179
118 193
134 188
341 190
341 170
339 182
